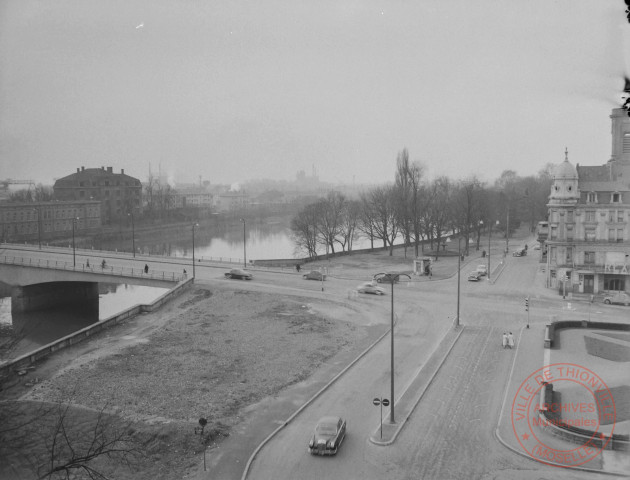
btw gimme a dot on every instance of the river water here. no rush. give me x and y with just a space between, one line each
25 332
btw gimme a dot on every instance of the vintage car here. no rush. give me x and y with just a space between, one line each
329 433
617 298
239 274
385 278
482 270
369 287
520 252
474 276
314 275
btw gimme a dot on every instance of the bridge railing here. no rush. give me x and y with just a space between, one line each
96 269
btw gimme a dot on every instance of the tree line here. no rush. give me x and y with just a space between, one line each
414 211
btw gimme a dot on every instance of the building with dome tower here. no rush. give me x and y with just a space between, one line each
588 244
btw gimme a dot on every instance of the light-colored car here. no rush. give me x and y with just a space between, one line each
617 298
474 276
369 287
239 274
536 247
328 435
482 270
314 275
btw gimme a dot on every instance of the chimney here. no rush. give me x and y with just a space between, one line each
109 169
78 170
122 171
82 169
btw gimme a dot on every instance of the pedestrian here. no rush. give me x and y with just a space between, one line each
103 264
510 338
185 274
505 340
146 268
297 267
87 263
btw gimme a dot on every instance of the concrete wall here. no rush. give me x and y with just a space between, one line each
26 360
54 294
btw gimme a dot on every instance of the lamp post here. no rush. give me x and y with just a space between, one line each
193 246
392 278
39 230
459 260
244 245
74 256
133 235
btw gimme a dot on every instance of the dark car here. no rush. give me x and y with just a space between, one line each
617 298
329 433
314 275
521 252
239 274
474 276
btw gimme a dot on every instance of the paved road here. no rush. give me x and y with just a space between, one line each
451 433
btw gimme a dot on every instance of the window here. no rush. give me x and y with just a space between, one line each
591 197
554 233
620 215
589 258
570 232
570 216
589 216
611 215
552 254
589 235
615 198
611 234
569 255
620 235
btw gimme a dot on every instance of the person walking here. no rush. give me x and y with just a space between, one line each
297 267
510 339
146 268
505 340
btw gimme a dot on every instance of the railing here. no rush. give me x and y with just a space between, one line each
98 270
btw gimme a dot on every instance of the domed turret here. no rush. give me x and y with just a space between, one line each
565 183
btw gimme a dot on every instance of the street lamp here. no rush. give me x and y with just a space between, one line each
193 246
459 259
133 235
39 230
391 278
244 245
74 256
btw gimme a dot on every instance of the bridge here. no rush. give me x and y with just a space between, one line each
38 283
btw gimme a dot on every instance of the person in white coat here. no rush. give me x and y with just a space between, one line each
505 340
510 339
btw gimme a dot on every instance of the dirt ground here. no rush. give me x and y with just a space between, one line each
162 372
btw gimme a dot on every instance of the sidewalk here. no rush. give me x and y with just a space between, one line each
530 357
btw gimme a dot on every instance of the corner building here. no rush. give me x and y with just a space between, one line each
588 245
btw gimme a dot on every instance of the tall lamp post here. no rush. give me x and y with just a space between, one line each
193 246
39 230
392 278
459 268
74 256
133 235
244 245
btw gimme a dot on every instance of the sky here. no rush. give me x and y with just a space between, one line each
230 91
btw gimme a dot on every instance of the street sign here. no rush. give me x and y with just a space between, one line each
376 401
385 402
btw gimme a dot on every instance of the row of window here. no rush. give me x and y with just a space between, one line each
592 197
590 234
590 216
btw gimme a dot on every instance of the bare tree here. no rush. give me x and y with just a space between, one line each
440 217
304 229
382 202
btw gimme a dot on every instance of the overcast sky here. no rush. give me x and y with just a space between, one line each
237 90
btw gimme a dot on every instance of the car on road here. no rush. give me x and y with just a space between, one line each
369 287
329 433
314 275
239 274
482 270
617 298
385 278
521 252
537 246
474 277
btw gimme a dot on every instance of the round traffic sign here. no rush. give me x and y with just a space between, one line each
376 401
385 402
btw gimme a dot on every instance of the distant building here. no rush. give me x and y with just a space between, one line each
118 193
231 201
192 197
588 244
48 220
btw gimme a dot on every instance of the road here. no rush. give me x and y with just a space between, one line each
451 433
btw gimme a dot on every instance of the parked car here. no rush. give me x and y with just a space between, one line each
482 270
474 277
617 298
329 433
368 287
314 275
239 274
537 246
521 252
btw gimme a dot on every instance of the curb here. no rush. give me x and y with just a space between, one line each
396 428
